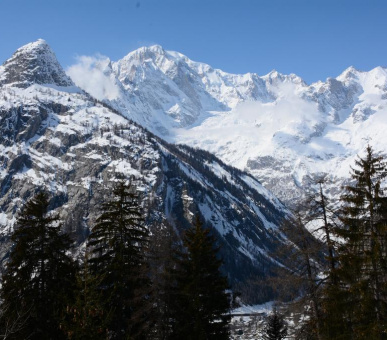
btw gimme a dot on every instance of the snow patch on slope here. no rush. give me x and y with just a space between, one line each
285 132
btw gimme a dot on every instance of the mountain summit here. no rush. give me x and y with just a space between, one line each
285 132
34 63
76 148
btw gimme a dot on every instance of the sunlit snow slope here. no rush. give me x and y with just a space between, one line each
277 127
55 136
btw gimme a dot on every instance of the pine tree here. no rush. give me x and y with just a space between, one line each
276 327
86 317
39 277
164 244
118 244
362 271
201 301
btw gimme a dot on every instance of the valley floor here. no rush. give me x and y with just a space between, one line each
248 322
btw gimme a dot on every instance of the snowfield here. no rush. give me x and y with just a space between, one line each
285 132
56 136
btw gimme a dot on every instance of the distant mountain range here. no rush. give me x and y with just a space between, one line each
278 128
74 133
56 136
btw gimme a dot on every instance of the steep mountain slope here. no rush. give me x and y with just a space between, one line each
34 63
283 131
55 136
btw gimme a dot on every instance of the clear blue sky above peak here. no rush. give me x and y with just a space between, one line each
313 39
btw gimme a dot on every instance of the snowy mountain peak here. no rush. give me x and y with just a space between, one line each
348 74
156 49
33 46
275 78
351 69
33 63
274 74
76 147
276 126
144 53
379 73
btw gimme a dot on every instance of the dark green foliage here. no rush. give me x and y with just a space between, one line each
276 327
39 277
164 244
201 301
356 305
118 244
86 318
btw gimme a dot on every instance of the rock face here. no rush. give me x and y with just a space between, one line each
55 136
280 129
34 63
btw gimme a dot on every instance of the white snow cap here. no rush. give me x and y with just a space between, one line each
34 63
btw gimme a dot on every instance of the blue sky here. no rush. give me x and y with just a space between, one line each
314 39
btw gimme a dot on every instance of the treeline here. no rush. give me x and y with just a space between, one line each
133 282
136 282
343 277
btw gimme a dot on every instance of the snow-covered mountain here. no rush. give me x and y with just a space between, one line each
53 135
34 63
280 129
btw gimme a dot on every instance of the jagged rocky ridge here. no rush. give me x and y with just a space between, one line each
54 135
280 129
33 64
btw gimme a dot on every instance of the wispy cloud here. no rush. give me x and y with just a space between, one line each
93 74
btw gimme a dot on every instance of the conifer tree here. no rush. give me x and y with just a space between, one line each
118 244
164 244
86 317
276 327
201 301
356 307
39 277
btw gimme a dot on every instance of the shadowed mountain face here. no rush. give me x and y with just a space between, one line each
280 129
57 137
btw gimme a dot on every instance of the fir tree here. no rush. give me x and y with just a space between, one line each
164 244
201 301
362 270
276 327
39 277
86 318
118 243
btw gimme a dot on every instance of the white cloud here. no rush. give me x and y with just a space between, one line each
93 74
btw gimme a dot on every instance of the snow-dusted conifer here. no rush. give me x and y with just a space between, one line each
276 327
